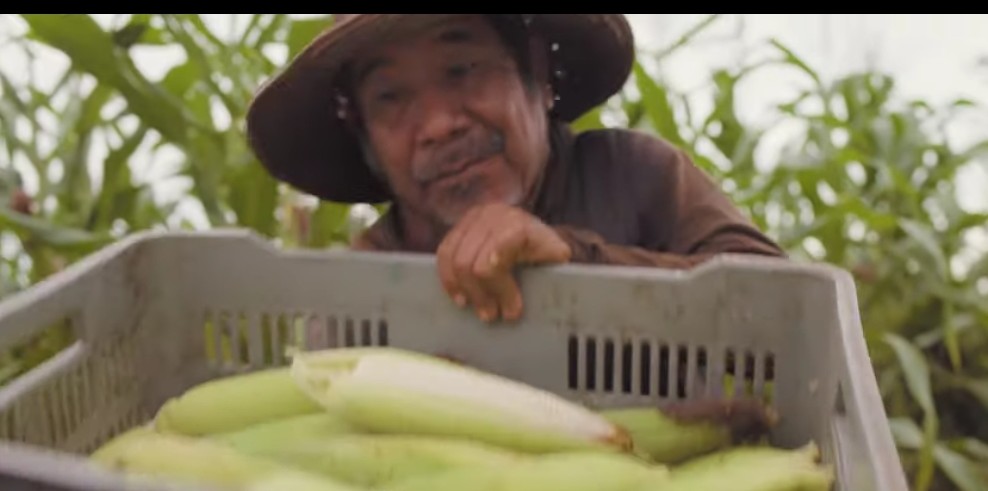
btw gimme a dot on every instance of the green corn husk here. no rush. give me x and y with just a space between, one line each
273 437
195 461
371 461
235 402
754 468
568 471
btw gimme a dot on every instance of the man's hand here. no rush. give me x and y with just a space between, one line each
477 258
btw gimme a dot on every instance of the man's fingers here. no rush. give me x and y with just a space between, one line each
467 279
526 242
503 293
542 245
445 255
495 265
504 288
456 256
478 257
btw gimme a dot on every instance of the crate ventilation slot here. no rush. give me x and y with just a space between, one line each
238 338
83 406
661 369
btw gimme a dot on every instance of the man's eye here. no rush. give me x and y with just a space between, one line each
387 96
461 69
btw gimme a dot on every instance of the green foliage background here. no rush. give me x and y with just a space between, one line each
867 183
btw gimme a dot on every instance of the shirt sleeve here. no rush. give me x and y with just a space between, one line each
684 217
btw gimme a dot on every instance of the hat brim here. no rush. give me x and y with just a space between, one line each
294 131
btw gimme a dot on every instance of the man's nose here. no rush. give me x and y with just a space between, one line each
441 116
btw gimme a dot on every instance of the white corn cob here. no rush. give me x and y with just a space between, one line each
374 460
275 436
195 461
753 468
394 391
293 481
234 402
569 471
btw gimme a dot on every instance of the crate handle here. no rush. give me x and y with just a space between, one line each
60 296
58 301
870 416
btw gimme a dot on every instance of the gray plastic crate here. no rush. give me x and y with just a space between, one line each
145 310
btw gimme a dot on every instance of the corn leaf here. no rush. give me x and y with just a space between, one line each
917 376
303 31
92 50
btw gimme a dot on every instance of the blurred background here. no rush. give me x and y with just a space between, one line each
856 140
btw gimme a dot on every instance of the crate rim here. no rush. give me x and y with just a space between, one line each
135 240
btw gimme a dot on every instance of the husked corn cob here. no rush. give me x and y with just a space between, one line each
808 454
235 402
292 481
686 430
273 436
585 471
376 460
465 478
398 392
110 448
184 459
753 468
569 471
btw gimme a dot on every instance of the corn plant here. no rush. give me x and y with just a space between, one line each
103 99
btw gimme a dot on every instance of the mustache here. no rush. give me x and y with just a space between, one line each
457 155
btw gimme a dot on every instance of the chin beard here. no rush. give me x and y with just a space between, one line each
448 215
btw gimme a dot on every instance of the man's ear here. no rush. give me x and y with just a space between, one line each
345 109
538 55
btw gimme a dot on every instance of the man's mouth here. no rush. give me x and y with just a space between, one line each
460 158
457 169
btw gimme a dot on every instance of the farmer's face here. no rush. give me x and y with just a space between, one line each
450 120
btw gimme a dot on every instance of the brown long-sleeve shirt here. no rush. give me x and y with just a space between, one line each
624 197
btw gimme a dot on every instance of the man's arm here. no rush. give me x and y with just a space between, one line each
590 248
683 215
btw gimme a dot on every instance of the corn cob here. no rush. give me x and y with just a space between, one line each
584 470
376 460
687 430
292 481
273 436
808 454
753 468
393 391
460 478
195 461
570 471
235 402
110 449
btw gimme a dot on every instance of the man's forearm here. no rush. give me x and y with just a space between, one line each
591 248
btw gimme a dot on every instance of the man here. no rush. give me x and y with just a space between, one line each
460 121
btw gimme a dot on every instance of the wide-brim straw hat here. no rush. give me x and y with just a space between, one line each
292 123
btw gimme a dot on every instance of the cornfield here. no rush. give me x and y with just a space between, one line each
866 182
